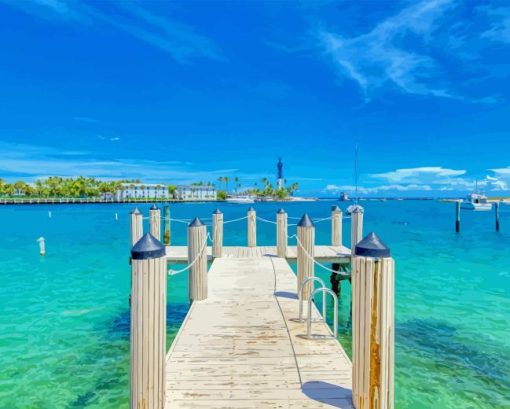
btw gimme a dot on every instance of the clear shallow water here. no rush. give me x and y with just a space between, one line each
64 318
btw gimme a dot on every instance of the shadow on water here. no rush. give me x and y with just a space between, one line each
116 336
328 393
119 326
439 341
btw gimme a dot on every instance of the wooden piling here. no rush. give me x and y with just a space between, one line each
356 226
305 253
496 210
336 226
373 281
252 227
217 232
155 221
197 259
148 324
136 226
457 217
281 233
166 229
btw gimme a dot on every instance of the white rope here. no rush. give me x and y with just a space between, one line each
175 272
321 220
316 262
295 218
265 220
235 220
180 221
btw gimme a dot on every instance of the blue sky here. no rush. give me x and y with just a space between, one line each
185 91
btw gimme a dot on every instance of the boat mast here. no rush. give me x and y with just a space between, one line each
356 173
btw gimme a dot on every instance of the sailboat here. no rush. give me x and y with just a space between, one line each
352 208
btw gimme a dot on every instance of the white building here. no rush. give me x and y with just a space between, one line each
160 191
193 192
142 191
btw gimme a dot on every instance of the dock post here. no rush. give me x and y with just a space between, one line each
197 259
496 210
42 246
356 227
252 227
155 221
457 217
305 253
166 229
281 233
148 324
136 226
336 226
373 336
217 225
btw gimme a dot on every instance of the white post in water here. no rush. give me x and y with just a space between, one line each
197 259
217 232
148 324
155 221
136 226
42 246
373 333
252 227
166 234
305 254
116 217
49 214
336 226
281 233
356 226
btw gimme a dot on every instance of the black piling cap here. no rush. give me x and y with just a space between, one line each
136 211
357 209
251 209
147 247
335 209
281 211
154 207
372 246
196 223
306 221
217 211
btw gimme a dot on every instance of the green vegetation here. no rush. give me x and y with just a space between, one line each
267 190
56 186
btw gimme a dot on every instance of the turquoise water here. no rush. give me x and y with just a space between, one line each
64 318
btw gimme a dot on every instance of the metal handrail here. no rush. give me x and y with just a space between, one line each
300 296
334 333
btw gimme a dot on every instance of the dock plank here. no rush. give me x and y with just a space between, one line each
241 347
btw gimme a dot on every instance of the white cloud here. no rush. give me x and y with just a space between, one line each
378 57
427 174
336 189
500 25
180 40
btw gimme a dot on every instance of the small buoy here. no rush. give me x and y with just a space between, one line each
42 246
116 216
49 214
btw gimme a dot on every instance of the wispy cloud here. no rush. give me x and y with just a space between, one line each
402 51
33 162
180 40
428 179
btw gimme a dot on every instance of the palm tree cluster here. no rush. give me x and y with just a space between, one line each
268 190
56 186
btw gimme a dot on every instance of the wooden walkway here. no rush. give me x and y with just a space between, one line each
241 348
324 254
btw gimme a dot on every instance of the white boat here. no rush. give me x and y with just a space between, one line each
240 199
344 197
477 202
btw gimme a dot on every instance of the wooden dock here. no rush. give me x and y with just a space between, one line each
242 344
241 347
324 254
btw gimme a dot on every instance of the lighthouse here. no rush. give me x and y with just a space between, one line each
279 178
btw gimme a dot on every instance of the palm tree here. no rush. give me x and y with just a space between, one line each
226 178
